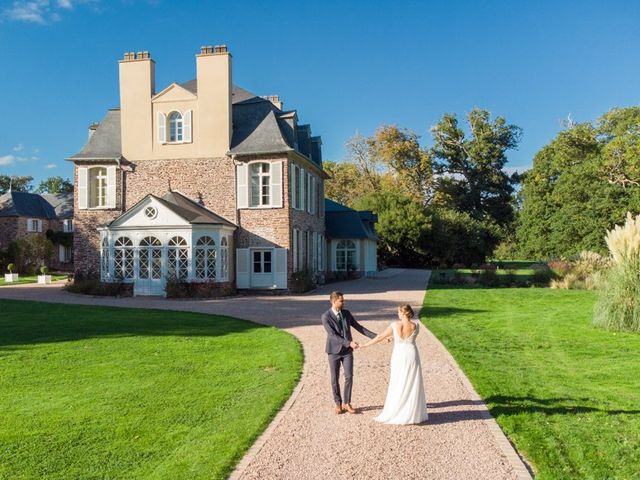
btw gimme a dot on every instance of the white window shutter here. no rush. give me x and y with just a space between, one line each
292 185
294 250
276 184
314 196
309 190
303 194
314 251
61 253
83 190
321 198
162 128
242 268
40 225
281 268
186 126
111 187
242 191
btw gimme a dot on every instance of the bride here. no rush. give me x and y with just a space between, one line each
406 402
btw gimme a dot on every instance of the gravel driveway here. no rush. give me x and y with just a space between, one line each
307 440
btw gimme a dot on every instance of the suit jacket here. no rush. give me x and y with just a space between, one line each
336 343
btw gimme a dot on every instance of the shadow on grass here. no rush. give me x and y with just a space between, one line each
29 323
503 405
444 311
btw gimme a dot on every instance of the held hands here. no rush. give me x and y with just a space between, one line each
354 345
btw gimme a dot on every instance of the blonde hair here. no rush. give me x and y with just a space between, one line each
406 310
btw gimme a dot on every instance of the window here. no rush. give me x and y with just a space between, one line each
150 212
67 254
150 258
97 187
260 181
206 258
178 258
224 257
67 225
34 225
175 127
123 259
346 255
262 261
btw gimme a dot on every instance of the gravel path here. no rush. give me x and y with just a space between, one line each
307 440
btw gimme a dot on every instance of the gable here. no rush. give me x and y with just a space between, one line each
174 93
136 218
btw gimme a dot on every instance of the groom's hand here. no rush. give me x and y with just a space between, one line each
354 345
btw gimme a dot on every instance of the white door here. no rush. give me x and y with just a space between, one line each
262 268
149 279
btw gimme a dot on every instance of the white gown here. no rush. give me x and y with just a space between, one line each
406 401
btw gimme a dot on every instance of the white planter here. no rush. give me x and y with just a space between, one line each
10 277
44 278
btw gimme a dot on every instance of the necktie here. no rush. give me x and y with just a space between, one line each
345 333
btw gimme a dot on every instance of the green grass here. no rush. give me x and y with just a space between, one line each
30 279
107 393
567 394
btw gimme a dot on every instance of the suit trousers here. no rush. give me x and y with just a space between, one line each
346 359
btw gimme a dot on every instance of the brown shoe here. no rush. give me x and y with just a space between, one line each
339 410
348 408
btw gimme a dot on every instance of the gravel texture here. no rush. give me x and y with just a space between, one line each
307 440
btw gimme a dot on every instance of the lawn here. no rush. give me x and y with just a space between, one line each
30 279
566 394
108 393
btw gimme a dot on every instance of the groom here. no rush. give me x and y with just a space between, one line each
340 345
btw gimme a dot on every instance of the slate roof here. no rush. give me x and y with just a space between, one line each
186 208
259 127
33 205
344 222
105 143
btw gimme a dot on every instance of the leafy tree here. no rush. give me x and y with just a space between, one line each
573 193
345 185
17 184
401 223
471 169
55 185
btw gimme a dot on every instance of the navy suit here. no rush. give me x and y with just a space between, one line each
339 351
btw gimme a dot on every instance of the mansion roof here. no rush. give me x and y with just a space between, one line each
259 127
33 205
344 222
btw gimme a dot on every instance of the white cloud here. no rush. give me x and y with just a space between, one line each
42 12
7 160
50 166
512 170
18 148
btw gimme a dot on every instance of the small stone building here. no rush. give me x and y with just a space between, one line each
23 214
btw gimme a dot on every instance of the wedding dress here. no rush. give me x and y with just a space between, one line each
406 402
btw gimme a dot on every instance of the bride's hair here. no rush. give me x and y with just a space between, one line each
406 310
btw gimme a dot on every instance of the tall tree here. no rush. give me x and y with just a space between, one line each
55 185
17 184
471 169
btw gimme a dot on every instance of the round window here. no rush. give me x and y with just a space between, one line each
150 212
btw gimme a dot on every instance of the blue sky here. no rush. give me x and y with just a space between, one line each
345 66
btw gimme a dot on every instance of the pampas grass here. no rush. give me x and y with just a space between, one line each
624 240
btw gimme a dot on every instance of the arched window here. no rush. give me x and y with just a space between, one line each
206 258
123 259
175 127
346 255
150 258
178 258
224 257
104 258
97 187
260 181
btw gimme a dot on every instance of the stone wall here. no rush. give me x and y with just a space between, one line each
8 230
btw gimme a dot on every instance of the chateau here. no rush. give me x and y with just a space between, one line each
205 181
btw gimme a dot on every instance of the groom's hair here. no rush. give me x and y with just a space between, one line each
335 295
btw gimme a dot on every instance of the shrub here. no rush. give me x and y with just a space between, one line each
210 289
510 279
89 284
542 276
44 270
489 278
302 281
624 241
618 304
559 267
11 267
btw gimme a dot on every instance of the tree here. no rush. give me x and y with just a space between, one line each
55 185
401 223
471 169
569 198
345 184
17 184
619 131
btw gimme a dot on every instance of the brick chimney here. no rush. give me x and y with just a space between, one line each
137 86
213 74
275 99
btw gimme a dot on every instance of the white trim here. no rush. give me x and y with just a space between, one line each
83 189
275 188
186 127
242 190
110 201
162 128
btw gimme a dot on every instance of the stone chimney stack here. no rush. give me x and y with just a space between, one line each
92 129
137 86
215 87
275 99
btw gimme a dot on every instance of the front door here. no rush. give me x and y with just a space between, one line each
149 279
262 268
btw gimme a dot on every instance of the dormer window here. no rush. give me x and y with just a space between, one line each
175 127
